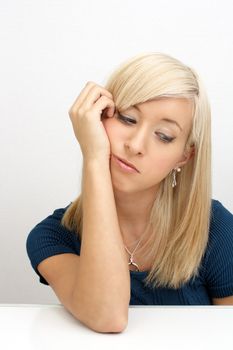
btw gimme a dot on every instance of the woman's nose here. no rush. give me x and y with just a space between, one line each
137 142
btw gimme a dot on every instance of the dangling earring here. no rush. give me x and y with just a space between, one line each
174 176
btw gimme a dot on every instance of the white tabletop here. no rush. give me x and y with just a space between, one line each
29 326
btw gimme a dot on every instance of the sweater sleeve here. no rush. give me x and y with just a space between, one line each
50 238
219 260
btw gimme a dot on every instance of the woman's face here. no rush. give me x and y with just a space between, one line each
144 138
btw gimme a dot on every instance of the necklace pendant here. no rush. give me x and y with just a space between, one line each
133 264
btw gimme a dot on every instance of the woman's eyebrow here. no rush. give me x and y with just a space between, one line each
172 122
168 120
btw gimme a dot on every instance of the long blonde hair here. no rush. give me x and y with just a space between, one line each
180 216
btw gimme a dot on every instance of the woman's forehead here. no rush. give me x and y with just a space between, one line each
176 111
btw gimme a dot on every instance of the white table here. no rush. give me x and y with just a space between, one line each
29 326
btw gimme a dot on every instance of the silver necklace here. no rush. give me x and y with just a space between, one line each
131 262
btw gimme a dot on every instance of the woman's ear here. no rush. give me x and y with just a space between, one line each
187 155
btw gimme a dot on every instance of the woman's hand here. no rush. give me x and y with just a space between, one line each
85 115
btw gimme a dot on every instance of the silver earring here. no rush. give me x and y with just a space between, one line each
174 176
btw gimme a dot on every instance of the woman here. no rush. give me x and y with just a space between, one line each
151 226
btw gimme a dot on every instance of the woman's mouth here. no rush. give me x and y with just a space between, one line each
123 166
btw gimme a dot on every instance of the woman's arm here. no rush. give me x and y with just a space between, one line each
102 289
223 301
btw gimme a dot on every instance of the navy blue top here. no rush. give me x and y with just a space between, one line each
215 278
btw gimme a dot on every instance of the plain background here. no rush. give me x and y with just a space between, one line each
49 50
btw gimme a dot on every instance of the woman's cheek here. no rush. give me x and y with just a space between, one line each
163 164
105 123
110 126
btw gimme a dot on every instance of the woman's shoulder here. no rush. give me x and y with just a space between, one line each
220 230
49 237
221 221
51 226
217 206
217 264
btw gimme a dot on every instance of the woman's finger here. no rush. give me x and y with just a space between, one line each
92 89
104 103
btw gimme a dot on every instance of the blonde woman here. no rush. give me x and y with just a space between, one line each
145 229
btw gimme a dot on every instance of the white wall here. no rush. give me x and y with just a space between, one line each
48 51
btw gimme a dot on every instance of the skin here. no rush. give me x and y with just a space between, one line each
140 145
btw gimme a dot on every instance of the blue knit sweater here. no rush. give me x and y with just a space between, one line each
215 278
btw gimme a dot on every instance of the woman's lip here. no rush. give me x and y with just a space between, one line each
124 165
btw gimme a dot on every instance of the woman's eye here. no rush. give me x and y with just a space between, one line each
126 120
164 138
